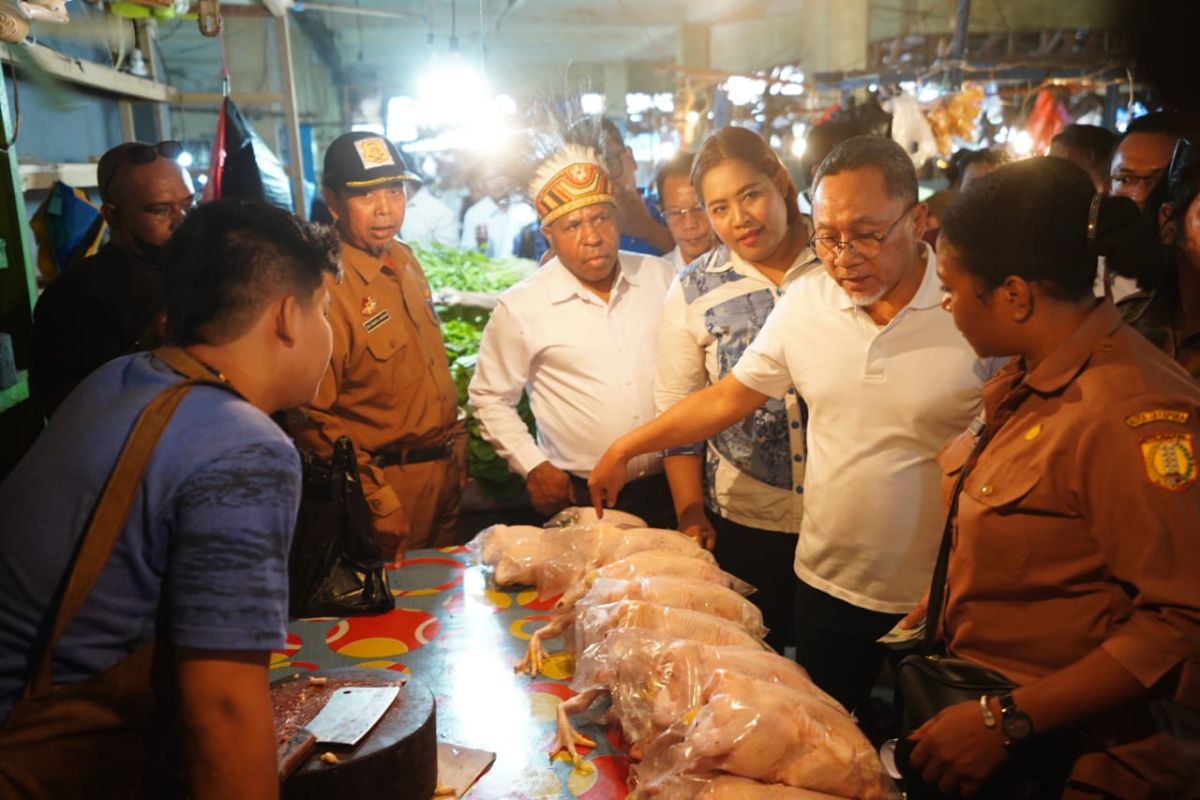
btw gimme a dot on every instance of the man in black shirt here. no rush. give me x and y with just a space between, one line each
112 304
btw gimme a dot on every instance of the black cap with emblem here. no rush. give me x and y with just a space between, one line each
363 160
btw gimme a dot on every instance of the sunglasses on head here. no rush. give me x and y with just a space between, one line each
140 154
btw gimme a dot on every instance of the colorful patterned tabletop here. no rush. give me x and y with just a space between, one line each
462 638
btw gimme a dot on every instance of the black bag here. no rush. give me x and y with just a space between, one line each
928 682
334 568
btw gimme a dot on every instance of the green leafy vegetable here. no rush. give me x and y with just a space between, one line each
462 328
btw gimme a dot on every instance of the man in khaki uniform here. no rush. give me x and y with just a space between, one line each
388 387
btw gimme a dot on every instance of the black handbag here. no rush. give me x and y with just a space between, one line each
334 568
928 682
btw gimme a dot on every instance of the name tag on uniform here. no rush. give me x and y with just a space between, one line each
377 320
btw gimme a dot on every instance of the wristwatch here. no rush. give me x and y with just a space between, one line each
1015 723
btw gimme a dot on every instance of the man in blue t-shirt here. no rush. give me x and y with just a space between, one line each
643 229
201 564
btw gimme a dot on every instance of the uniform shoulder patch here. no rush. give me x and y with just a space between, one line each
1157 415
1170 460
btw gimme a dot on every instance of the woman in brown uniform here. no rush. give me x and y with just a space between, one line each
1075 570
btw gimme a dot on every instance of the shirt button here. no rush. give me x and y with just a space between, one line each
799 490
797 459
987 490
795 424
791 391
376 503
1107 347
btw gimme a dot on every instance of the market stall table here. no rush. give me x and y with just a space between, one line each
462 638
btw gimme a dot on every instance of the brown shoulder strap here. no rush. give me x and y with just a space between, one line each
113 506
187 365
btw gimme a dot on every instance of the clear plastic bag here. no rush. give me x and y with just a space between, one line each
570 553
654 562
594 623
771 733
576 516
668 590
658 686
718 786
512 551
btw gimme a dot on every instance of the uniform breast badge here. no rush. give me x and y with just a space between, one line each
1170 460
369 306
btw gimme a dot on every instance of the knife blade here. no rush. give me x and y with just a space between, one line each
350 713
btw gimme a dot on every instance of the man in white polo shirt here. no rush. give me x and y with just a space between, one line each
887 379
578 335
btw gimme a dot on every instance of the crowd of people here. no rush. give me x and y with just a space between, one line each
806 394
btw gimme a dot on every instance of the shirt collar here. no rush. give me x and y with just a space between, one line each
366 265
561 285
928 295
1061 367
724 259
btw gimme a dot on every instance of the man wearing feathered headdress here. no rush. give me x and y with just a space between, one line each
578 335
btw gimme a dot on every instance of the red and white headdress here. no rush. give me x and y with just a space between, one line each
570 179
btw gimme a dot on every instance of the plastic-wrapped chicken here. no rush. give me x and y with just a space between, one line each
512 551
771 733
654 682
596 622
654 562
675 592
666 590
586 515
570 553
717 786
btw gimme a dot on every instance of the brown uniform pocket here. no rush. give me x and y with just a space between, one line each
990 495
389 351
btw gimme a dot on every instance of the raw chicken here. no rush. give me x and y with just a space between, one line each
554 559
586 515
654 562
771 733
512 551
665 590
653 684
595 624
717 786
570 553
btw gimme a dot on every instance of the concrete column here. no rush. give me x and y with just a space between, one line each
616 86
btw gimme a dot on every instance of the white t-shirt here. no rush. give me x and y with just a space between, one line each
428 220
588 366
882 400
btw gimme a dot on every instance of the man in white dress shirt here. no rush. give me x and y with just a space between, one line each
578 336
492 224
683 211
427 220
887 378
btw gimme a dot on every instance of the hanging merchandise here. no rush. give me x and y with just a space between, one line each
13 25
67 229
955 117
209 18
911 130
242 164
45 10
216 164
1049 116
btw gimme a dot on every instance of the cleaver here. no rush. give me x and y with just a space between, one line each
350 713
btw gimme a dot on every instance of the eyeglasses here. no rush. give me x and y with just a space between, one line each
866 245
683 213
1131 180
133 154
